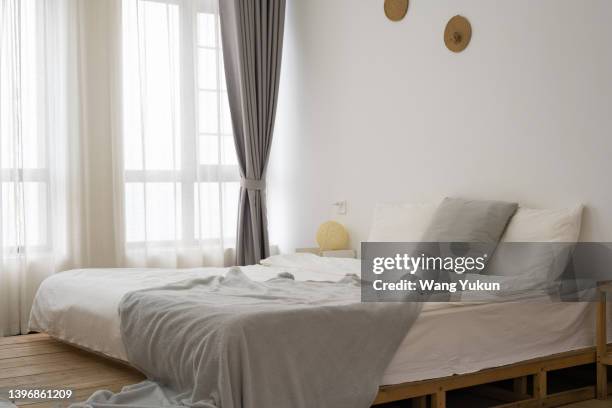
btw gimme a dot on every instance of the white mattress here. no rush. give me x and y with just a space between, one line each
81 307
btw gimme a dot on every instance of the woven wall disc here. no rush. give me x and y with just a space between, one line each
395 10
458 34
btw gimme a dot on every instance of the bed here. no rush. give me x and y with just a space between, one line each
80 307
450 345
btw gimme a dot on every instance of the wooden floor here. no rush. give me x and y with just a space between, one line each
38 361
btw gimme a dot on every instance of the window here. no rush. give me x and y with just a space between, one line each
24 173
180 168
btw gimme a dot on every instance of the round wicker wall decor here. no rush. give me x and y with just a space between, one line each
457 34
395 10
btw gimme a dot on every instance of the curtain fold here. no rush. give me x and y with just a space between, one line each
41 211
252 35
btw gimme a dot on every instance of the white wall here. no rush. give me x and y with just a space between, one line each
298 190
373 110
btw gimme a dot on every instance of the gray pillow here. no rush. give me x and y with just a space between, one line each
463 228
477 221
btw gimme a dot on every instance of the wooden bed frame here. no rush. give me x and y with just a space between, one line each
519 373
433 392
532 372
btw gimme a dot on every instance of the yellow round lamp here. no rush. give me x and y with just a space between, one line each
332 236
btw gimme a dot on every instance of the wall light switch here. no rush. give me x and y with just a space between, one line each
340 207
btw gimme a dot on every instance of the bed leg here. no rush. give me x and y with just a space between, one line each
539 385
602 382
438 400
419 402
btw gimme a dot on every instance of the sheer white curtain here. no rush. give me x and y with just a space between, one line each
177 178
40 212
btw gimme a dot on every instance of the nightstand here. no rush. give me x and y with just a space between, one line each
604 358
342 253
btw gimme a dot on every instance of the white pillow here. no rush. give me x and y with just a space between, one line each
541 263
533 225
401 222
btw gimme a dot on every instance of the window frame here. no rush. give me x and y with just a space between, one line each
191 173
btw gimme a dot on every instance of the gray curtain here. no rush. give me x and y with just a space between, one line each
252 37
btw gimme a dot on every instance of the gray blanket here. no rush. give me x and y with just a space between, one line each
232 342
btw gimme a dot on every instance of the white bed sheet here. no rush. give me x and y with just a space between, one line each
81 307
